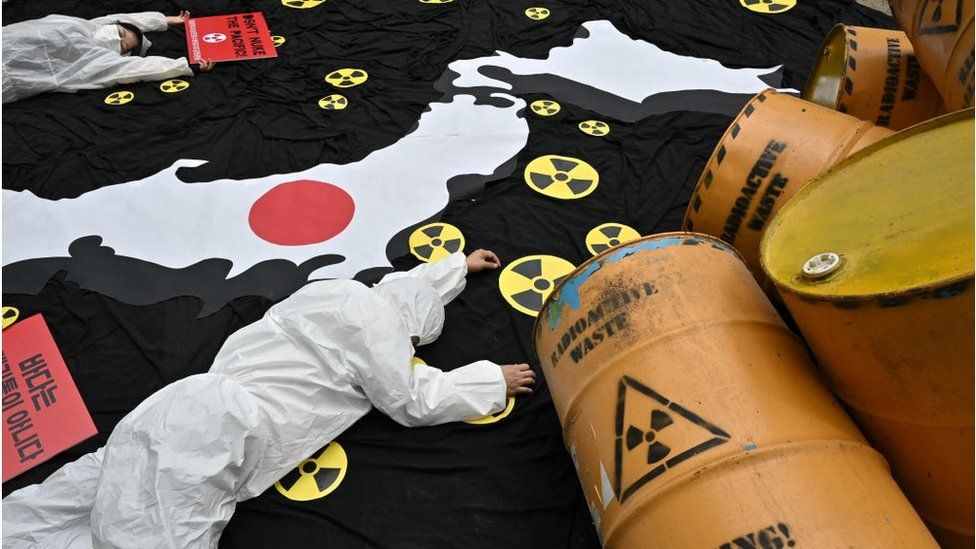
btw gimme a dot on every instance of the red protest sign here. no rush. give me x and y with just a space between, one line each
43 414
229 38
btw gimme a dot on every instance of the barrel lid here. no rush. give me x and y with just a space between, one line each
895 218
824 83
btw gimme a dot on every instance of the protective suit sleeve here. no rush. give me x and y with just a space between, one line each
54 514
146 21
125 70
446 275
421 395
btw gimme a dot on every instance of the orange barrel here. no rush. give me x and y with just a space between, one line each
873 74
772 149
694 416
875 261
942 32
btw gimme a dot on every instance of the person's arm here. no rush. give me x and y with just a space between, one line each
124 70
447 276
419 395
147 21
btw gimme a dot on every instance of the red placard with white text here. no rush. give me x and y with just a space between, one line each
233 37
43 414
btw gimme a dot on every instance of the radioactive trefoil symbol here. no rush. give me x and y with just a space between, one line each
646 433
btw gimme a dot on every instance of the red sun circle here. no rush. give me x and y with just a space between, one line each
298 213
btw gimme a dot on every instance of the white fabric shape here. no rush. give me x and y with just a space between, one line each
611 61
174 468
176 224
67 54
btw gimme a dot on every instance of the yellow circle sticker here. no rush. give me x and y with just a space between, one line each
545 107
119 98
417 361
10 315
609 235
526 282
346 78
334 102
594 127
493 418
302 4
436 241
537 13
174 86
768 6
317 476
278 40
561 177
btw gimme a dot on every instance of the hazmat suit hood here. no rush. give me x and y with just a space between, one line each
107 36
419 306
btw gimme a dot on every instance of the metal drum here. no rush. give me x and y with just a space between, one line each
772 149
942 32
694 416
875 261
873 74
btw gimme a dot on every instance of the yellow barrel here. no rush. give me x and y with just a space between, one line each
942 32
873 74
875 261
694 416
772 149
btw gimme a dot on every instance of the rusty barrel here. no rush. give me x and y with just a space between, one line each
772 149
873 75
942 32
875 261
694 416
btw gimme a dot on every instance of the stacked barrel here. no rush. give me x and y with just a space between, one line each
696 417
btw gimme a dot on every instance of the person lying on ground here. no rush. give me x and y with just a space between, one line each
60 53
279 389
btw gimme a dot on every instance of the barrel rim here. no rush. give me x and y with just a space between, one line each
669 234
832 35
721 142
787 287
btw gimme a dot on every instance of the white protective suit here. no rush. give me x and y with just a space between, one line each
281 388
67 54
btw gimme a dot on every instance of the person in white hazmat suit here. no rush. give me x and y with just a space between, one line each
174 468
66 54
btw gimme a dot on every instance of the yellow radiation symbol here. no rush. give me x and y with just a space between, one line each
768 6
594 127
526 283
119 98
334 102
417 361
277 40
609 235
537 13
436 241
561 177
301 4
174 86
544 107
492 418
10 315
317 476
346 78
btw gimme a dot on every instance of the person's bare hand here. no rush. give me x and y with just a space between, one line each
178 19
206 66
518 378
480 260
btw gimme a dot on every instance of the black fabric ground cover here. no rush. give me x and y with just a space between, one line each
508 484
